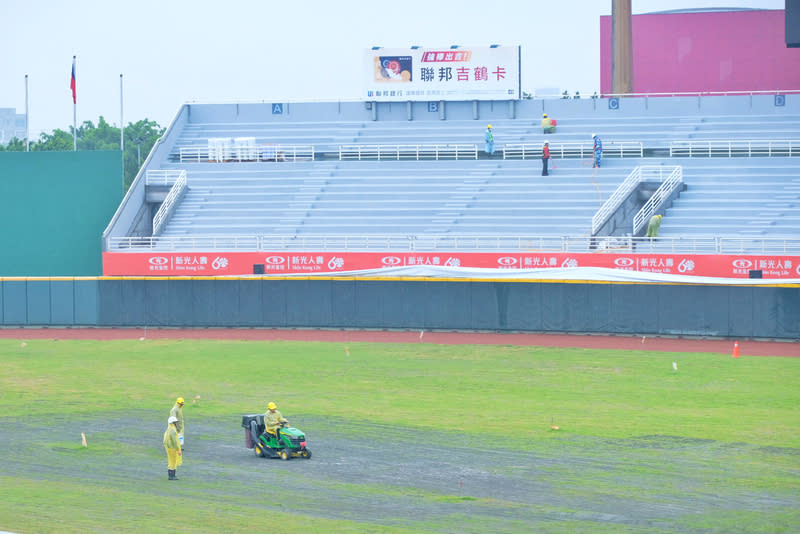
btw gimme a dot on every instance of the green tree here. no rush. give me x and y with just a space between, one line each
139 140
58 140
15 145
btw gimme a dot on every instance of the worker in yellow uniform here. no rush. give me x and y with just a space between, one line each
177 413
548 124
273 420
653 226
173 448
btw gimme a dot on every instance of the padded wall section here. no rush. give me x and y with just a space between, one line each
45 302
58 204
15 303
628 309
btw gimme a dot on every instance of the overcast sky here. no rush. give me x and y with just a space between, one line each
174 51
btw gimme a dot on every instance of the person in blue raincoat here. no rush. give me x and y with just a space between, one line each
597 150
489 138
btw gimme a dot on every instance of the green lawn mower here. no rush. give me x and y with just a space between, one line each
289 443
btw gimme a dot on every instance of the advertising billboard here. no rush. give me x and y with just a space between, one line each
277 263
433 74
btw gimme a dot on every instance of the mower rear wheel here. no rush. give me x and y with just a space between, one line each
259 451
284 454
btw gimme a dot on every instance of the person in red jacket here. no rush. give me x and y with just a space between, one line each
545 157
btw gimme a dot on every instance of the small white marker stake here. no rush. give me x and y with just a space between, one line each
83 439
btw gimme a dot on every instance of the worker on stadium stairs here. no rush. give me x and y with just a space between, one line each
173 448
597 150
177 413
545 157
548 124
489 138
653 226
273 419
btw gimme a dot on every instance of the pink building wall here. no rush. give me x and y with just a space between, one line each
706 51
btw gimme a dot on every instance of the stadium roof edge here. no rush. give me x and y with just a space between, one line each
705 10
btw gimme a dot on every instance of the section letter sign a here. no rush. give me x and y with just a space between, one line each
433 74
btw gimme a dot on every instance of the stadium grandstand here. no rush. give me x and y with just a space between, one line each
404 210
402 179
346 178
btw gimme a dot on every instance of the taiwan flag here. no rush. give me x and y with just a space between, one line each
72 84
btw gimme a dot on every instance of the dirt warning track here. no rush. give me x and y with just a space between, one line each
588 341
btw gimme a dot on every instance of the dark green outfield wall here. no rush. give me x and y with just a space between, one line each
725 311
54 207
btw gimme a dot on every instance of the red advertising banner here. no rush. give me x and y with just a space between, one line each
278 263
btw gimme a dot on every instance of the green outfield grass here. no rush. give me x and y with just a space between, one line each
513 393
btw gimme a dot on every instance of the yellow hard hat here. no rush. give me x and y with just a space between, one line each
179 400
544 115
489 126
271 406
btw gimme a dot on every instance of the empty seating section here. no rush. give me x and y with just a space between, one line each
655 132
341 198
242 195
758 197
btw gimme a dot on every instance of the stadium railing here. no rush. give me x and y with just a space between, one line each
672 183
621 149
463 243
176 192
650 173
412 152
709 148
163 177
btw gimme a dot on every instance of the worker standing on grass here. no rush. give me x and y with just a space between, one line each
177 413
273 419
173 448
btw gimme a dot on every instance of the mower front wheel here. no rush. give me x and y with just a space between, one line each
306 454
284 454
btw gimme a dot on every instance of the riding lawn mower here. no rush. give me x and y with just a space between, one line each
288 442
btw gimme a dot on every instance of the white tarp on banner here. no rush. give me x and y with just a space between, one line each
433 74
593 274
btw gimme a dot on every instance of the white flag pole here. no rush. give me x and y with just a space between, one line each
27 126
121 132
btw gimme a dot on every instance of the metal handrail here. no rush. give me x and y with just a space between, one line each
668 186
203 242
415 152
170 201
639 174
616 199
163 177
732 147
463 243
620 149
